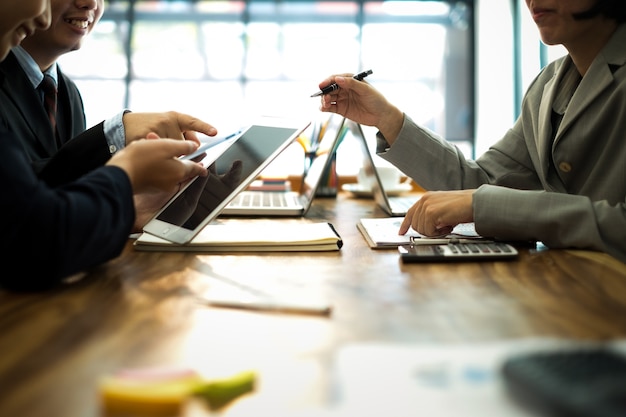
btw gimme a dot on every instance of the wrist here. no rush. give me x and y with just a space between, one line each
391 124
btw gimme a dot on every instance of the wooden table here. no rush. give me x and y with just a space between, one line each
143 309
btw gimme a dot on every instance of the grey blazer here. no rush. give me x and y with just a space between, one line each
581 201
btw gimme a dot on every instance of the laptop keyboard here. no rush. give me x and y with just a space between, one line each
401 204
264 199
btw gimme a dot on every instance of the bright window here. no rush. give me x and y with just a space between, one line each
227 61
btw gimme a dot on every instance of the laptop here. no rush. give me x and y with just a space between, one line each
232 164
293 203
392 205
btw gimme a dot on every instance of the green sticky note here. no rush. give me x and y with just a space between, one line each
220 392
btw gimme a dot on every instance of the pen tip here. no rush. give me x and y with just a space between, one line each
319 93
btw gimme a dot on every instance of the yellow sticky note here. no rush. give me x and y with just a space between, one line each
147 392
164 392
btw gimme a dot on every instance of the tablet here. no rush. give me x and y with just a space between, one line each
232 166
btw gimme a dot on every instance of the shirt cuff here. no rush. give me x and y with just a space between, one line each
114 132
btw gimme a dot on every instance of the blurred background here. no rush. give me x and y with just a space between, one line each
458 67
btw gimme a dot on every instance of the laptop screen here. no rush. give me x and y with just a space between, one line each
229 173
319 162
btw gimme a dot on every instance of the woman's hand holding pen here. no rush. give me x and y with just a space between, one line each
362 103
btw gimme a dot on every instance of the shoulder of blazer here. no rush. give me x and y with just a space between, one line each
614 52
7 68
69 84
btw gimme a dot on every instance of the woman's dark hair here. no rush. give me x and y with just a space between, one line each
612 9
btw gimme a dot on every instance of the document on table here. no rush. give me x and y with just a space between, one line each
382 233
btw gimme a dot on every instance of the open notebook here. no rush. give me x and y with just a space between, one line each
292 203
392 205
252 235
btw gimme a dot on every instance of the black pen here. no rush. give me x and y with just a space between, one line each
333 87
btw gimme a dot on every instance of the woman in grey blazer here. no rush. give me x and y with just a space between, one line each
558 175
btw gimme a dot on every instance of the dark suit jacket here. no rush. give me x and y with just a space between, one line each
21 112
68 214
52 232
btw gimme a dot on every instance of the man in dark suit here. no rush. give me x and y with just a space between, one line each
21 107
22 112
53 231
22 104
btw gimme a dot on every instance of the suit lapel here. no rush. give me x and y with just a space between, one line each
598 78
26 100
71 111
544 135
65 109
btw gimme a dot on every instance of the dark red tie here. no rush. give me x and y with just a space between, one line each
50 100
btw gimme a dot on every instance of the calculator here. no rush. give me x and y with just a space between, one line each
457 251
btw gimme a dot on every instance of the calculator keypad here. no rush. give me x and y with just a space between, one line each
457 251
491 248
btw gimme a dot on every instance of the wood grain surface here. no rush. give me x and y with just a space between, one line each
146 309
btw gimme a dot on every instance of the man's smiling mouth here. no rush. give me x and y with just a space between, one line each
82 24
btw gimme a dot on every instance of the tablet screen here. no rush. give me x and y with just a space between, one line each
235 168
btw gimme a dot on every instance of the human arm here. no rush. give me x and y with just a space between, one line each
59 231
559 220
90 149
170 124
510 202
51 233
